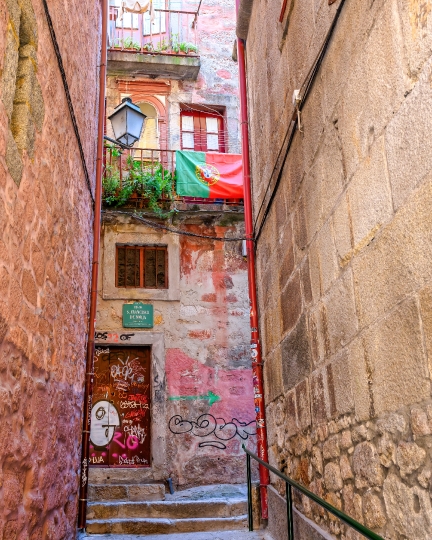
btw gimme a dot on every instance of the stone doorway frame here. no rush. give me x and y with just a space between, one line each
155 340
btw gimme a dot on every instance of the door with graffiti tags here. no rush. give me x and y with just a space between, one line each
120 416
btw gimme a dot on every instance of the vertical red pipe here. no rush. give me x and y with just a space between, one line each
88 392
256 355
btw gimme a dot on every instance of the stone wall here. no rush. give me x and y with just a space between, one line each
201 323
344 259
46 221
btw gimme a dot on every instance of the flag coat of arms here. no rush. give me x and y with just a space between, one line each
209 175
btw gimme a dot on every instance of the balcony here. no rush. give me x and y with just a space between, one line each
145 179
163 44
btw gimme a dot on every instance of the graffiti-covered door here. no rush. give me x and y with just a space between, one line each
120 417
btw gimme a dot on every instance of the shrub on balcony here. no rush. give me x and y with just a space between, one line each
154 187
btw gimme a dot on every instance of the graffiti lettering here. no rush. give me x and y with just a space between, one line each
133 405
138 397
132 441
126 372
136 431
112 336
207 425
98 351
134 460
126 337
136 415
96 460
84 472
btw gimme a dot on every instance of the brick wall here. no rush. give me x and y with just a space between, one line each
344 259
46 221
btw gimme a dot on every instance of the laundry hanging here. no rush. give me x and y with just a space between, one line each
133 6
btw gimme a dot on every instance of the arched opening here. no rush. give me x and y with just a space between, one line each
150 136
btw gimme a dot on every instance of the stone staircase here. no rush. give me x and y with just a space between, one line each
120 502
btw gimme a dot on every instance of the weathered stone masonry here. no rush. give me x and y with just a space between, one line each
46 220
344 260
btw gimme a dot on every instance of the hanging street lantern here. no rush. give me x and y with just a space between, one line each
127 122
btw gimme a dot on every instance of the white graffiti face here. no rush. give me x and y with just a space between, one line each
104 420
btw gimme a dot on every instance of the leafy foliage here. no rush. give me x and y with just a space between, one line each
171 45
127 43
155 186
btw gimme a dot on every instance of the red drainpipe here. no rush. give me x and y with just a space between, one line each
88 392
257 366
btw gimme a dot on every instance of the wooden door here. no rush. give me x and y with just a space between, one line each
120 416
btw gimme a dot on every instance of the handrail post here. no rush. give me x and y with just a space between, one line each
249 489
290 517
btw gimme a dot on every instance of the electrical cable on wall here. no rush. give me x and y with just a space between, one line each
304 93
68 97
155 225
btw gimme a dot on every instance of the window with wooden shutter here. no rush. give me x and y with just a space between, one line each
202 132
142 267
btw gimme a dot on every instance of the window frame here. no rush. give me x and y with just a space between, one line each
142 248
199 117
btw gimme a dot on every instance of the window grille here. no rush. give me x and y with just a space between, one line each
142 267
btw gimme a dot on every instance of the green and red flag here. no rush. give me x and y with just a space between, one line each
209 175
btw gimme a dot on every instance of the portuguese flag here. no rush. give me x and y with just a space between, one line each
209 175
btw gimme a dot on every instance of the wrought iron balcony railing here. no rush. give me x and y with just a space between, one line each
164 31
140 177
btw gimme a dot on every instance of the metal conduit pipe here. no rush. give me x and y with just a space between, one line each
88 391
255 346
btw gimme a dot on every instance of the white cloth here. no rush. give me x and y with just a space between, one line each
133 6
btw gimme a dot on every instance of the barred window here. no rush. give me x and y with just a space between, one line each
143 267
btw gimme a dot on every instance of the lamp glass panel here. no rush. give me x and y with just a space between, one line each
135 122
118 122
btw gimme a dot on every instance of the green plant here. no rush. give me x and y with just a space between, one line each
155 186
152 185
149 47
114 150
187 47
163 45
127 43
174 43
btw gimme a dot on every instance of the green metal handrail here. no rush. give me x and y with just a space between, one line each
289 484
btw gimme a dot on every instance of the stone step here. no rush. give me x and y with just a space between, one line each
209 535
165 526
105 476
126 492
177 509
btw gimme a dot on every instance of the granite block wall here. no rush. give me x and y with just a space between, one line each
344 258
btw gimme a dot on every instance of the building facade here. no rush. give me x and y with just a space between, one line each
46 214
181 385
341 189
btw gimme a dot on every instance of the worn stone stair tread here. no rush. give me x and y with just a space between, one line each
182 509
207 535
126 492
164 525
